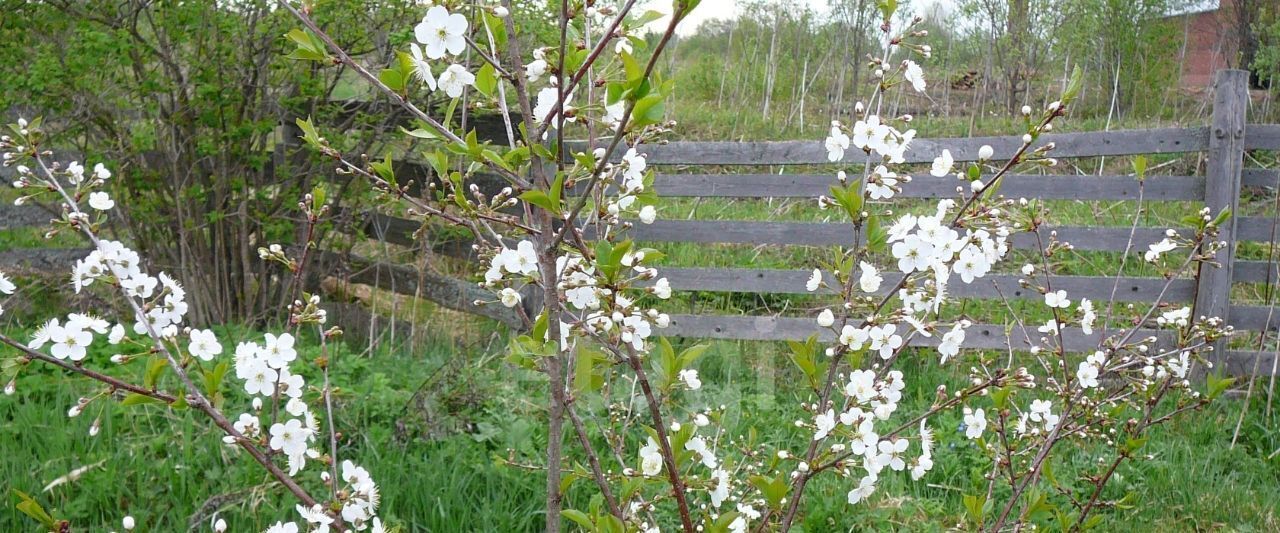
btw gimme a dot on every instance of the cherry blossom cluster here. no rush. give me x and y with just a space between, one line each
152 330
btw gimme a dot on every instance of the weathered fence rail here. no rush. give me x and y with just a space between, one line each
1222 144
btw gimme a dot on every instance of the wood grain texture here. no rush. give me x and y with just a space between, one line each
780 281
1067 145
832 234
767 328
1242 363
1014 186
49 261
23 216
1254 317
1255 272
456 294
1222 191
1262 137
1260 177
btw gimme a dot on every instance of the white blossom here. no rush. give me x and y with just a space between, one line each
101 201
442 32
914 74
204 344
942 164
454 79
815 280
975 423
690 379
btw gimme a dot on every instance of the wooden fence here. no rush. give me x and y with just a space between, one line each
1223 143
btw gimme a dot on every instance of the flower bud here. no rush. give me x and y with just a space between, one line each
986 152
826 318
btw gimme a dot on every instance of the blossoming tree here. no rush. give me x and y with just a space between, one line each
555 247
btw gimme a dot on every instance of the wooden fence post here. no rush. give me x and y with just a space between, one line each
1222 191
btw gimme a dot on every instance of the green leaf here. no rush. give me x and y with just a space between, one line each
392 78
585 378
633 70
646 17
1217 384
486 80
155 366
1222 217
30 507
887 8
611 524
1000 398
422 133
473 145
213 379
556 187
540 199
134 398
1073 86
309 47
975 508
613 93
804 356
496 27
773 489
686 6
691 354
319 194
385 169
580 518
439 162
877 236
648 110
1140 167
309 133
722 522
539 330
496 158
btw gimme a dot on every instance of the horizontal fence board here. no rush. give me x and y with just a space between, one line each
1262 137
927 186
1258 229
400 231
1083 144
992 286
1254 317
1260 177
1242 363
1255 272
55 261
378 226
830 234
769 328
447 291
23 216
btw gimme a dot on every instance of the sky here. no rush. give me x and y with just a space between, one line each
713 9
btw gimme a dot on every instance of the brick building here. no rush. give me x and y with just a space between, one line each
1212 40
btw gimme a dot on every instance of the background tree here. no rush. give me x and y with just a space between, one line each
189 98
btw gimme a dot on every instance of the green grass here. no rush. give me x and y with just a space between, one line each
431 421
